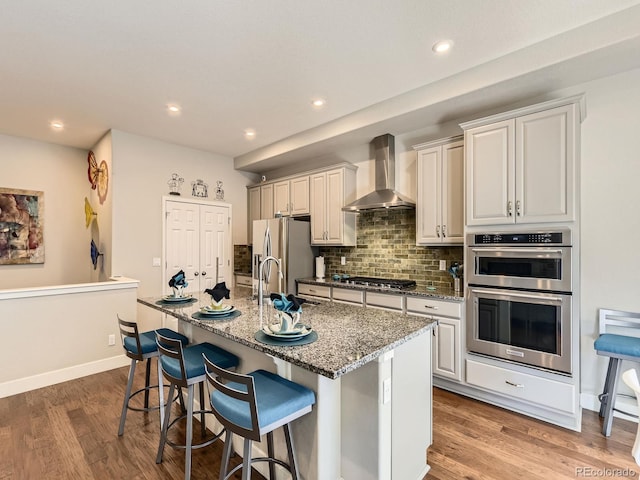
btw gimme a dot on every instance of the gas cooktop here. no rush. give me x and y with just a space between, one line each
379 282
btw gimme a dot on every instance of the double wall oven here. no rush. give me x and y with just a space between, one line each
519 297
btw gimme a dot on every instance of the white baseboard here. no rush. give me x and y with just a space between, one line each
46 379
590 402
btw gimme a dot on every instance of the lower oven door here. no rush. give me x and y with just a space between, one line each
532 328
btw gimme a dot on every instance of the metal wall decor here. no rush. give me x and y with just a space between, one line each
199 188
98 176
175 182
219 191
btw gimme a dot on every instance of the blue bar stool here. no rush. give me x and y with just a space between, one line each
138 347
253 405
617 347
184 368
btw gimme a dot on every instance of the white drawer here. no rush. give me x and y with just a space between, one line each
542 391
314 290
384 300
430 306
245 280
348 295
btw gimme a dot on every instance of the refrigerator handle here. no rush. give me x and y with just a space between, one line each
267 252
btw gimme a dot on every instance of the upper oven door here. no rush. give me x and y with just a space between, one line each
533 268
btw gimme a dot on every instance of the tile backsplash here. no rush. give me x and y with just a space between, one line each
386 247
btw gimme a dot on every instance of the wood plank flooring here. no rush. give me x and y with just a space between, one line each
69 431
476 441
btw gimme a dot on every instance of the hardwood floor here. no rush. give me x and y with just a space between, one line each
476 441
69 431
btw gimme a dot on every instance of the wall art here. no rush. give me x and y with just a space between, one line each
21 226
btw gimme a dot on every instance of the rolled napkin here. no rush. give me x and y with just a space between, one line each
288 304
218 292
178 280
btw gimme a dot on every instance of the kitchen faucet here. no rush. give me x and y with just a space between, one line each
264 261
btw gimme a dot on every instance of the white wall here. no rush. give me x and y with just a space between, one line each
61 173
610 192
101 228
141 168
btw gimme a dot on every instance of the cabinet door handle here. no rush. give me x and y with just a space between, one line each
444 231
438 231
518 207
517 385
432 307
195 274
509 208
204 274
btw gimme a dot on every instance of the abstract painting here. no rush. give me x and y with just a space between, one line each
21 226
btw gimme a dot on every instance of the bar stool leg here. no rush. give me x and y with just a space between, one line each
203 426
147 378
165 425
160 393
125 403
611 396
271 453
187 459
226 455
291 452
605 391
246 460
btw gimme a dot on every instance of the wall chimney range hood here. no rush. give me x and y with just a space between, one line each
385 195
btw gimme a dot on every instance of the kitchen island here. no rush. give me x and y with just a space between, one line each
370 369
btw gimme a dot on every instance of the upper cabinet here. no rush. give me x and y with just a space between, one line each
266 201
329 192
521 165
291 197
440 205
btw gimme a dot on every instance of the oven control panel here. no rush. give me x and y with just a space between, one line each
522 238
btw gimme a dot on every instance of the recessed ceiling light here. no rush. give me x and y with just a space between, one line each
249 134
442 46
173 109
319 102
56 125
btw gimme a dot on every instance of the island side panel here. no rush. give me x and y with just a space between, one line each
412 408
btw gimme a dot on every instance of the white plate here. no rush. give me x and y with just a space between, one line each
210 309
171 298
302 332
213 313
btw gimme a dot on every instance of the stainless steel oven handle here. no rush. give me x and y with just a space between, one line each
517 295
517 250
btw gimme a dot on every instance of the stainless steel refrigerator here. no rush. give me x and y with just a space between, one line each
288 240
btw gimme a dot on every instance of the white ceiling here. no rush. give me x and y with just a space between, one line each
234 65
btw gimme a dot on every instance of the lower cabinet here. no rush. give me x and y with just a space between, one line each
319 291
544 392
348 295
447 341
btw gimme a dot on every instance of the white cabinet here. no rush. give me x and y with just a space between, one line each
521 165
253 201
384 301
319 291
266 201
329 192
440 210
291 197
347 295
447 342
197 240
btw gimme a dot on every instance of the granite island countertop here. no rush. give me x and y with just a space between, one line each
349 336
440 293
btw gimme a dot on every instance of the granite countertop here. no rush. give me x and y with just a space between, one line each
349 336
444 294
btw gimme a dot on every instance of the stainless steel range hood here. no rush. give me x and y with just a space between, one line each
384 195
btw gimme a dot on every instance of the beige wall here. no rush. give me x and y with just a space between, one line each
61 173
101 228
141 168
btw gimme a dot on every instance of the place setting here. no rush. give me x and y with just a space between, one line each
178 298
287 330
217 310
